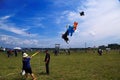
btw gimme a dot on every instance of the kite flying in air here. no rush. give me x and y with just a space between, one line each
70 31
82 13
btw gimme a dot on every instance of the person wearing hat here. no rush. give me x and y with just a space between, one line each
27 66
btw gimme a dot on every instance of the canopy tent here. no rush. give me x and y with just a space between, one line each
18 48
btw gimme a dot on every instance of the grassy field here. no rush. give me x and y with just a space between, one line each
77 66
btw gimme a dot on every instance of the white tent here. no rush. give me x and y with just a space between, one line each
18 48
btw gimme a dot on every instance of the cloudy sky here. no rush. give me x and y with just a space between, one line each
40 23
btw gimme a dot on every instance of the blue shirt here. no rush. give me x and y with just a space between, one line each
70 30
26 63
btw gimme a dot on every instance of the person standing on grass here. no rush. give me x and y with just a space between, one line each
27 66
15 52
68 51
55 52
47 60
8 53
100 52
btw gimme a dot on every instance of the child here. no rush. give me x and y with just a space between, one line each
27 66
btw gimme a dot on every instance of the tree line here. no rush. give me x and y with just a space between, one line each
111 46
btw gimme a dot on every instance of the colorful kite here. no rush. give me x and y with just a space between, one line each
65 36
70 31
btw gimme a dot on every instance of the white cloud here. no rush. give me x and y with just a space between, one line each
13 29
10 27
5 17
14 41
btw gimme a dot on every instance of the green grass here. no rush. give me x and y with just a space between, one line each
77 66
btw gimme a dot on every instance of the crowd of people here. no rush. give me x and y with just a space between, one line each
11 52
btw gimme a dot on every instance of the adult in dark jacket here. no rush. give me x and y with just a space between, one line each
47 61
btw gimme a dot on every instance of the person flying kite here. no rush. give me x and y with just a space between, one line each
70 31
26 69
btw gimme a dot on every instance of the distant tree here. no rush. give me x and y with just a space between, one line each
114 46
103 47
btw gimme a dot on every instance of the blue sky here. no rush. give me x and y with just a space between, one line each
40 23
